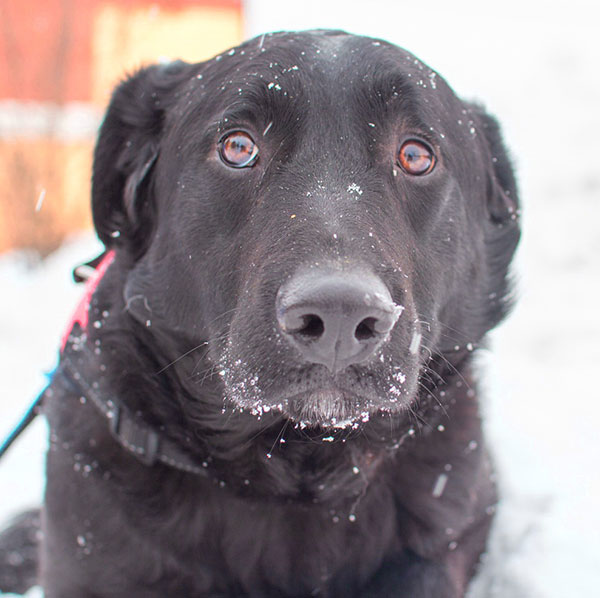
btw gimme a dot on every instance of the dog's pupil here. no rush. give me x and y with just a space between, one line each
238 149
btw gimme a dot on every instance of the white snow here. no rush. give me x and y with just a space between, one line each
440 485
415 342
354 188
535 66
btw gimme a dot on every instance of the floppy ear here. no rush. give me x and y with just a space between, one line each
502 200
502 229
127 148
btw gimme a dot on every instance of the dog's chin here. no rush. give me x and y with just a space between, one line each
323 410
328 408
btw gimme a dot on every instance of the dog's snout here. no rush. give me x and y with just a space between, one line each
336 318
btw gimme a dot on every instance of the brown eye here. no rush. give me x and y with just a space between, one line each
416 158
238 150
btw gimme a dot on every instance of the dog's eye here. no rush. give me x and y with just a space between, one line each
238 150
415 157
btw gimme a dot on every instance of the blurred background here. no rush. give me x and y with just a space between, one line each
534 64
59 60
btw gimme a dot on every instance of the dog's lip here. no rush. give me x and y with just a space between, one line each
327 407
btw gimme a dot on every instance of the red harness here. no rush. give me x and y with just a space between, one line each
80 315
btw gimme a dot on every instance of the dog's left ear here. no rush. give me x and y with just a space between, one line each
502 196
127 148
502 228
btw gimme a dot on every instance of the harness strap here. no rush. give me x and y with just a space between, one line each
90 273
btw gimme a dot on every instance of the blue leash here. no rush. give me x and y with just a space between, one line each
32 412
30 415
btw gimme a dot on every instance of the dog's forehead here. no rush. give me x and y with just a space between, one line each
330 51
298 63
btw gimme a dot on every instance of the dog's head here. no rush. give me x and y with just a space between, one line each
317 214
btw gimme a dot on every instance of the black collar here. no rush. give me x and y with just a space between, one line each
132 433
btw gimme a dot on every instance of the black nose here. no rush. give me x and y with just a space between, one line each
336 318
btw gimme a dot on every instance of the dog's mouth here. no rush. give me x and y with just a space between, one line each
311 397
322 405
329 408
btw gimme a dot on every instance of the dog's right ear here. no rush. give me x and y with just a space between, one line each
127 148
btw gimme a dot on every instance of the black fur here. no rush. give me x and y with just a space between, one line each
19 546
396 502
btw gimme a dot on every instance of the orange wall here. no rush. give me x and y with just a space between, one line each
59 60
45 50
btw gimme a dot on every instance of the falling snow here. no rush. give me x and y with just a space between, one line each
545 542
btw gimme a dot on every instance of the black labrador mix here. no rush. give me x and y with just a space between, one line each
270 391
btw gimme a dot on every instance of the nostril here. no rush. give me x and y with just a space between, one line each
312 327
366 329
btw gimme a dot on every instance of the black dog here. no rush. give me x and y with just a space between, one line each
308 236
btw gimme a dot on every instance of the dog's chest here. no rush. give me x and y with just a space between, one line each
286 546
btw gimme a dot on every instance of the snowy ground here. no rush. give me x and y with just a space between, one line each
536 67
